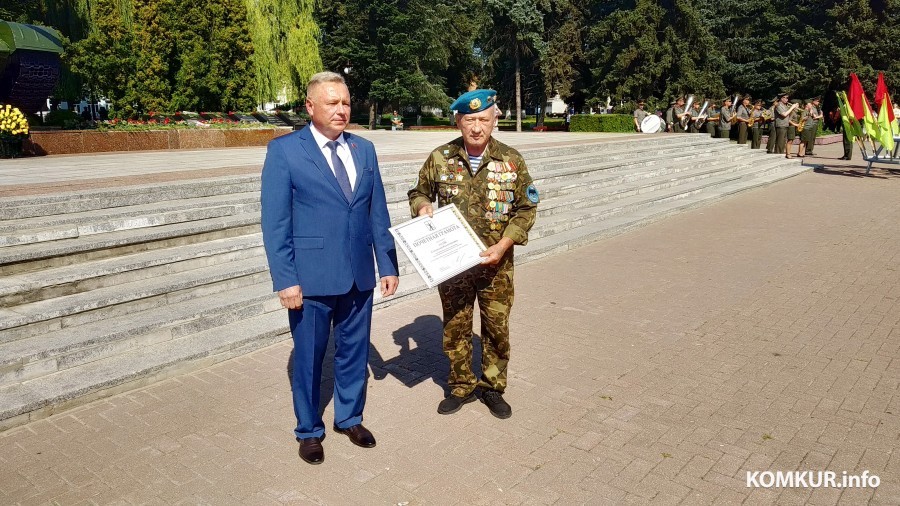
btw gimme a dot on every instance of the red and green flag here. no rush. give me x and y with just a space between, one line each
885 127
882 96
851 124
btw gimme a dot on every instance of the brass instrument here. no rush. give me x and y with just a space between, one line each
702 115
734 109
751 121
803 119
686 116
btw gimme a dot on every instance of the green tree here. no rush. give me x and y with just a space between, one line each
105 59
150 86
517 33
654 50
390 62
214 70
285 55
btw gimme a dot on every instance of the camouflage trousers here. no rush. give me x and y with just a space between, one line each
493 287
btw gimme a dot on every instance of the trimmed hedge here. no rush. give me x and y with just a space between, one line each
601 123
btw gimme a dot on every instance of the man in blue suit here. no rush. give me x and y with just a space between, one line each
324 212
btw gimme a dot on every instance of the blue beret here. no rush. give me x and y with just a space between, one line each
474 101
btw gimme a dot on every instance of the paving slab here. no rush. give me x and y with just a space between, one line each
760 333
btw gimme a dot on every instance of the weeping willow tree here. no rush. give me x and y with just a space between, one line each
286 48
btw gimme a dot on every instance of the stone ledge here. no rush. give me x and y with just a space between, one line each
86 141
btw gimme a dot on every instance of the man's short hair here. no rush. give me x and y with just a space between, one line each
323 77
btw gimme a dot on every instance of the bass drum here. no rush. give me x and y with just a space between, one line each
651 124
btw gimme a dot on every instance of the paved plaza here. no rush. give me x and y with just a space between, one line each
760 333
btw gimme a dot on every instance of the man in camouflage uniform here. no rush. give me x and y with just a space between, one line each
489 183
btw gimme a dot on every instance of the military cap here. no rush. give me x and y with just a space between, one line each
783 93
758 102
474 101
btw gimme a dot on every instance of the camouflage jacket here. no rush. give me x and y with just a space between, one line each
498 199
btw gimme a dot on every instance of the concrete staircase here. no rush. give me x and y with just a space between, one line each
107 290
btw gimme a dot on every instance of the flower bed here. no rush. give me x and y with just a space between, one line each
143 138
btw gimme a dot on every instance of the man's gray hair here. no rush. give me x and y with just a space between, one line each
323 77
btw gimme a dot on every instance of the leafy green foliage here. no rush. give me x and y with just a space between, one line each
601 123
285 39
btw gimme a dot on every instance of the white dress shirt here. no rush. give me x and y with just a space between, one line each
343 153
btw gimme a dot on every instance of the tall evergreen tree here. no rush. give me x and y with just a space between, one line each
105 59
517 33
653 50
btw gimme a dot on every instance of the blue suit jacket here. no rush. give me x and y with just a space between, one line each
313 237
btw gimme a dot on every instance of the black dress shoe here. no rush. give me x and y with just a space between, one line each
453 403
311 450
359 435
495 403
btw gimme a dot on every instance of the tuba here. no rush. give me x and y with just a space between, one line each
686 117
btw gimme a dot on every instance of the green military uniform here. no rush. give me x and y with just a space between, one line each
770 142
848 146
711 112
725 115
692 128
811 128
670 118
791 133
756 129
742 113
676 125
498 199
639 115
782 122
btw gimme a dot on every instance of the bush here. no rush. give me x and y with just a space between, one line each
601 123
62 118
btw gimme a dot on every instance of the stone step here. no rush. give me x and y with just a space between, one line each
654 208
23 401
576 166
632 200
60 349
31 206
70 279
68 241
133 219
31 257
33 318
